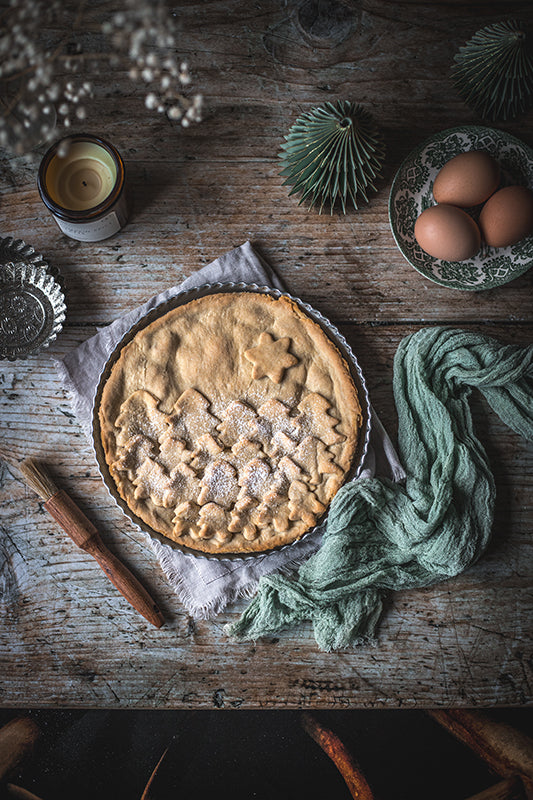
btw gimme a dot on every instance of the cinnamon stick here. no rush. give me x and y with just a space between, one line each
17 740
341 757
509 789
506 750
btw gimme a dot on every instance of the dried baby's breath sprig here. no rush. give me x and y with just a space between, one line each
33 89
142 32
43 85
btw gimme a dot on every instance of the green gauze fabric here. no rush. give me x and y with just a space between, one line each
384 536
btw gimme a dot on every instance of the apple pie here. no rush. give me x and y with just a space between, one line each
229 423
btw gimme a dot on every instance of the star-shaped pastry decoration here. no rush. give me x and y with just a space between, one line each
270 357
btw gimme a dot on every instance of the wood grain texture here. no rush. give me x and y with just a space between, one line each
66 637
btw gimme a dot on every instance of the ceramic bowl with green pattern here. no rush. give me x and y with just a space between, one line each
412 192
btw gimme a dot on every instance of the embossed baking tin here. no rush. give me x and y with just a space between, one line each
32 309
181 299
14 250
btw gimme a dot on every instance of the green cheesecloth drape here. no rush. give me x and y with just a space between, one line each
383 536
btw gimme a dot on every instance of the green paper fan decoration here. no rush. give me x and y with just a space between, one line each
493 71
332 155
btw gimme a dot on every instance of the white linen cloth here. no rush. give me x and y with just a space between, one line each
206 585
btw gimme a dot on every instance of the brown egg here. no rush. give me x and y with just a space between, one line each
447 232
507 216
467 180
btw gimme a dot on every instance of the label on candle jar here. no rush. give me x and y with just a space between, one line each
91 231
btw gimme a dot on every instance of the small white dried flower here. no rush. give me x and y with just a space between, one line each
53 92
141 35
174 112
151 101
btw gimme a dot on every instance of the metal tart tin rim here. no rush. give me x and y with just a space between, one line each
37 275
14 250
181 298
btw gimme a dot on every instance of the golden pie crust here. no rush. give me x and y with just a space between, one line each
230 423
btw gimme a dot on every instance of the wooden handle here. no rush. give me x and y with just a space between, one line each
83 533
125 581
71 518
340 755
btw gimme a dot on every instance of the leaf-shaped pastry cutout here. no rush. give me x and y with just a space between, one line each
317 419
190 418
219 484
303 503
140 415
239 420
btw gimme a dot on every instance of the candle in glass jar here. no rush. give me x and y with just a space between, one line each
81 181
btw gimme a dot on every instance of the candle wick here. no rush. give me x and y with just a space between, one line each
84 183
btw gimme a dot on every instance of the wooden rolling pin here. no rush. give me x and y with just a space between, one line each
83 533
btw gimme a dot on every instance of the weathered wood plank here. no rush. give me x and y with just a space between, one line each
465 642
66 636
199 192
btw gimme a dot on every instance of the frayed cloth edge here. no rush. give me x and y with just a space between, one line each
211 609
79 407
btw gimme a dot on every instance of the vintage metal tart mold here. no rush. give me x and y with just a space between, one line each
32 308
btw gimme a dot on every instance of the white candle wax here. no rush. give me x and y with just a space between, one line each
83 178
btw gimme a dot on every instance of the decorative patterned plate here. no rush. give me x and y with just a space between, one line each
411 193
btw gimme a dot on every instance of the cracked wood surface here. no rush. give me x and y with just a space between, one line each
67 638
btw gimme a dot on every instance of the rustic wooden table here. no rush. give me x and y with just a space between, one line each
67 638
